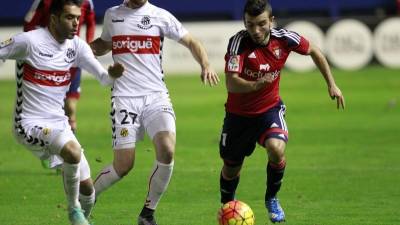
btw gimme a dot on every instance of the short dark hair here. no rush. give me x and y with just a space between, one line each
256 7
57 6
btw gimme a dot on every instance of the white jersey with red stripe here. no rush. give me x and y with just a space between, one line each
137 37
46 77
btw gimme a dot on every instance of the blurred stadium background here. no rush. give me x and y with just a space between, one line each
343 167
352 33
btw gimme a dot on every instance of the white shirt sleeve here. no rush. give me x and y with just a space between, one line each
105 34
16 47
174 29
87 61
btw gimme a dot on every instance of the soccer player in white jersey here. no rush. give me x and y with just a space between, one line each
134 31
40 121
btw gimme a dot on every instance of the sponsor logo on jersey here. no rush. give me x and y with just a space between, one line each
135 44
6 43
233 63
145 23
117 20
260 74
167 109
45 55
45 77
265 67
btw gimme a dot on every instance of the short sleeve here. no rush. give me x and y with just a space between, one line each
173 29
105 34
303 46
234 56
16 47
294 41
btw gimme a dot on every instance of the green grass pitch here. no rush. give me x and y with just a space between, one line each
343 167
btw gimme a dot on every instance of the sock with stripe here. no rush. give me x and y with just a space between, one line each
275 172
107 177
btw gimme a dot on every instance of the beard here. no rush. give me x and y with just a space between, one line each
261 40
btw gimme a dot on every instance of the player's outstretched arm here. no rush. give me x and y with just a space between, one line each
323 66
208 74
100 47
16 47
88 62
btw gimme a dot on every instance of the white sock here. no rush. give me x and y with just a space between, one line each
105 179
87 203
158 183
71 184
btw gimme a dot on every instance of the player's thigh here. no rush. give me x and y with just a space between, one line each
45 139
162 129
238 139
273 125
127 126
159 116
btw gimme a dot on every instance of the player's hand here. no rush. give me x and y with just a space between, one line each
267 79
209 76
73 125
115 71
335 93
263 81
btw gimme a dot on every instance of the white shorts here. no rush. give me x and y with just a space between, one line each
46 139
132 116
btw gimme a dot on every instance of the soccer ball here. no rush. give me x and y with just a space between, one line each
235 213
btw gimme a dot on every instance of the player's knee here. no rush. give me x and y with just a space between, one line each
276 149
86 187
165 147
71 152
230 173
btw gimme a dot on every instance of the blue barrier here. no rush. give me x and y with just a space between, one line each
10 12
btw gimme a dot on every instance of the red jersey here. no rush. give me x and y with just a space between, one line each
398 6
252 61
38 16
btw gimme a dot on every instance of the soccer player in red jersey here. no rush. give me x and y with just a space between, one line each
38 16
254 109
398 6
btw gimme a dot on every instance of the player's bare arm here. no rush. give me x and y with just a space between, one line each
323 66
89 63
100 47
208 74
236 84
